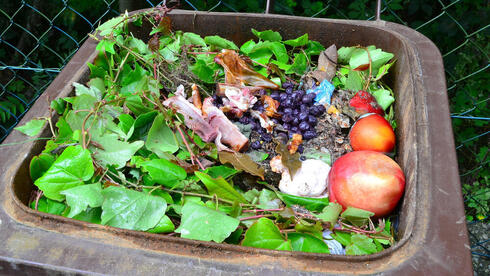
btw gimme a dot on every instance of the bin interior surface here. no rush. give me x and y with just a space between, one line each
432 234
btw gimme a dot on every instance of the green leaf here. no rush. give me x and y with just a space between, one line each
71 169
93 91
81 197
331 213
40 164
300 41
109 25
342 237
32 128
114 152
220 42
265 234
202 71
360 59
299 65
354 81
307 243
314 48
356 216
130 209
360 245
248 46
344 54
193 39
383 97
91 215
220 187
267 35
161 138
126 124
139 45
164 172
165 225
58 105
383 70
205 224
221 170
107 46
310 203
49 206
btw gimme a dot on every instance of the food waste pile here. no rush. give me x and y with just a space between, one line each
278 143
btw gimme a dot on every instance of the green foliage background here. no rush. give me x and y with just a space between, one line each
37 38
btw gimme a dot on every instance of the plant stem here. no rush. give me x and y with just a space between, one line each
262 210
255 217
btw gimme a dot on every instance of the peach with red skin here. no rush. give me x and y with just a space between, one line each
367 180
372 132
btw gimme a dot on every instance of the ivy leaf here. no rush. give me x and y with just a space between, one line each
314 48
169 52
220 42
164 172
202 71
267 35
71 169
265 234
248 46
383 70
354 81
126 124
40 164
241 161
342 237
161 138
109 25
138 45
106 46
300 41
356 216
360 245
383 97
165 225
58 105
193 39
221 170
299 65
307 243
32 128
359 59
49 206
114 152
331 213
310 203
81 197
220 187
130 209
344 54
205 224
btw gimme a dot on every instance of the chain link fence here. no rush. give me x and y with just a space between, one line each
37 39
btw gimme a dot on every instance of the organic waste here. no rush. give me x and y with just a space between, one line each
195 137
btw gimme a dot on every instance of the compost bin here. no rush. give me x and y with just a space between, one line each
432 236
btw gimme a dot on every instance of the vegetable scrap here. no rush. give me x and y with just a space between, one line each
174 130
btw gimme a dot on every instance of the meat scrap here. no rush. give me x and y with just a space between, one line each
229 134
193 117
265 122
237 71
239 97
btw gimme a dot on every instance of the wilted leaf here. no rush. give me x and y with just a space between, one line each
290 161
241 162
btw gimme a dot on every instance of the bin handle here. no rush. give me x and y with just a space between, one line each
270 3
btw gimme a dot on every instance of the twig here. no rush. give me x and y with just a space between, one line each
256 217
38 196
189 149
263 210
120 67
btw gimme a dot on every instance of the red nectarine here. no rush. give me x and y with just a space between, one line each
372 132
367 180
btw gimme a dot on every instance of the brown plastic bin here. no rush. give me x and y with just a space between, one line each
432 236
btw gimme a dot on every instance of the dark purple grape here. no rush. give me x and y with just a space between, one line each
302 157
287 85
301 148
253 124
266 137
287 110
289 90
308 98
304 126
295 121
256 145
260 130
287 117
320 109
304 108
244 120
309 134
276 121
295 129
303 116
289 102
286 126
275 95
283 96
312 120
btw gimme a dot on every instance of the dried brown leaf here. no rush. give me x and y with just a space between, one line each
241 162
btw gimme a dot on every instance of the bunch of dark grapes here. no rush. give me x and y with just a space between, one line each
299 113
